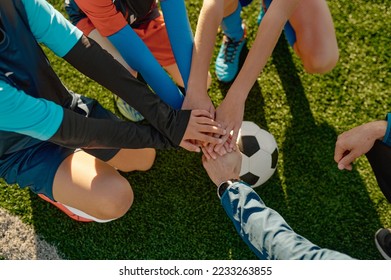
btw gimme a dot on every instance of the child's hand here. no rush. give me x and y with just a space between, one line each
202 128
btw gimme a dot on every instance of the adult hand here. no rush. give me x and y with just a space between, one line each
224 167
356 142
202 128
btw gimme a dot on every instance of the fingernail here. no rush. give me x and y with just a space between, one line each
341 166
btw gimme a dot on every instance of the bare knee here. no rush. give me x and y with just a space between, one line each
148 160
321 63
116 200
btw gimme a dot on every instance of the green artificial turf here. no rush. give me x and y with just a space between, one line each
176 214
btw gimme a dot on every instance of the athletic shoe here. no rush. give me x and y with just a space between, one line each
127 111
228 59
383 242
64 209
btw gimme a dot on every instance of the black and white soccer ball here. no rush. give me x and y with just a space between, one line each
259 154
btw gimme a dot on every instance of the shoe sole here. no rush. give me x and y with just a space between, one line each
381 251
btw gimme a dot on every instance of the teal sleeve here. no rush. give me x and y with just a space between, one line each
387 136
180 34
50 27
138 56
265 231
24 114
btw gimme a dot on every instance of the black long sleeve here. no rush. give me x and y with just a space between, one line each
91 60
77 131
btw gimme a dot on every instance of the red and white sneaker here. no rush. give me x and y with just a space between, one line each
65 210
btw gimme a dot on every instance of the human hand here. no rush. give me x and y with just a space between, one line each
198 99
223 168
209 152
230 115
202 128
357 141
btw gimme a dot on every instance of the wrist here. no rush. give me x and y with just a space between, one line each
196 91
235 97
223 186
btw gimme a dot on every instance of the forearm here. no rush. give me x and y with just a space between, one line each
90 59
266 39
48 121
77 131
205 38
265 231
139 57
179 34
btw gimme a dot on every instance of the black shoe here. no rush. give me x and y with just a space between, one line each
383 242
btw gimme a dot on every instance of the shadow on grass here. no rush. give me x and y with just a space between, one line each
176 214
330 207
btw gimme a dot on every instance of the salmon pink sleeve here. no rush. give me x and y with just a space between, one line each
103 15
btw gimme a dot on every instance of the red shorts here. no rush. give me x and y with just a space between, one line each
154 35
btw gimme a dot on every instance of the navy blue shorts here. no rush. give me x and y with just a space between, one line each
36 166
244 3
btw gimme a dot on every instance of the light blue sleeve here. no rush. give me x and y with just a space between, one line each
139 57
266 232
180 34
24 114
50 27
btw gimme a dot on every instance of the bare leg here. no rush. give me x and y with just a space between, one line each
173 70
316 41
230 6
95 187
105 44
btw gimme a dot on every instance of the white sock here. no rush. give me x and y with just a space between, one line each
85 215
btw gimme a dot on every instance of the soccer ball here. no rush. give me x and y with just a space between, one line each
259 154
